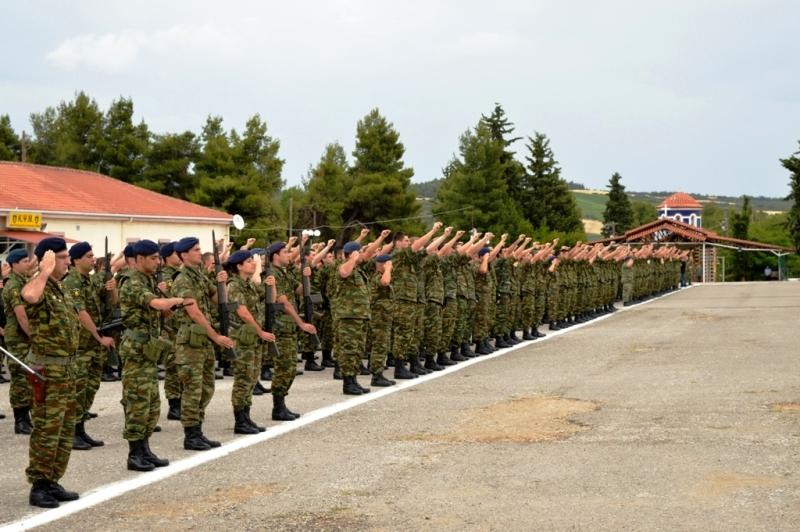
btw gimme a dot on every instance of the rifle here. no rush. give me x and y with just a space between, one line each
113 320
23 365
271 308
308 299
160 279
222 300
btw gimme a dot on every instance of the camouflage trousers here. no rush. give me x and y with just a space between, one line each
553 302
246 370
449 318
419 312
482 318
19 393
379 340
196 376
349 342
88 368
53 425
286 364
432 327
307 343
461 334
504 316
172 384
139 392
326 332
404 330
528 310
627 284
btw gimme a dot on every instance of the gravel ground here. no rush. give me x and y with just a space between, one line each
678 414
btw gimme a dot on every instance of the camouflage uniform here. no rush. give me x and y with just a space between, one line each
485 295
380 326
19 394
246 366
326 319
434 300
405 266
350 302
528 289
172 385
194 354
286 334
91 356
450 308
465 292
54 340
505 316
140 375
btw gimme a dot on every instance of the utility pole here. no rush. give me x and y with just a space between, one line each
290 217
23 148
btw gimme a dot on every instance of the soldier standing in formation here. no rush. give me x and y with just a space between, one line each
17 338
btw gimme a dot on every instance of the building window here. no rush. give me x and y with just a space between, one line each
678 218
693 219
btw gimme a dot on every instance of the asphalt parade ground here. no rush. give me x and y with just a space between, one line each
679 413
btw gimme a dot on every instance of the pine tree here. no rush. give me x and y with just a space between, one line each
474 192
79 134
380 188
643 212
546 200
327 186
123 145
793 221
10 146
740 224
618 215
168 162
501 129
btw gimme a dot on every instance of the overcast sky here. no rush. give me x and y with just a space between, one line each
701 96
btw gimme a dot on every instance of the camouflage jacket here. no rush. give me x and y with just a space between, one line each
85 296
54 322
434 279
381 300
249 295
192 282
405 270
16 340
285 285
134 301
350 297
449 275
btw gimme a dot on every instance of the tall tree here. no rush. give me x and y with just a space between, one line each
10 146
45 136
123 145
79 133
168 164
618 215
327 185
546 200
380 188
502 129
474 192
793 221
643 212
740 224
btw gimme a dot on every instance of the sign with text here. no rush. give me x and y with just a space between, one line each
24 220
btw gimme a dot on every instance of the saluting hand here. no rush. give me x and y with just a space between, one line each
48 263
385 233
364 232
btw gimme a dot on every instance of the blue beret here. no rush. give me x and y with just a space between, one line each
351 247
53 243
239 257
383 258
274 248
79 250
167 250
484 250
16 255
128 251
145 247
185 244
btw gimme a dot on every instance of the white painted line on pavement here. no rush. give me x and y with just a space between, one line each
102 494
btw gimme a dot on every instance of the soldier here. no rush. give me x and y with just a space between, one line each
350 303
142 348
380 326
246 330
54 327
286 325
433 285
194 353
17 334
92 346
172 386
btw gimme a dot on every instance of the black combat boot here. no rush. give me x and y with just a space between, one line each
40 496
554 326
379 380
2 415
241 426
311 364
80 430
401 372
481 347
250 420
455 354
212 443
416 367
527 335
78 444
337 372
466 351
363 370
22 421
192 440
151 456
431 364
279 410
327 359
363 389
137 461
349 386
174 409
258 390
57 491
500 342
266 373
390 360
443 360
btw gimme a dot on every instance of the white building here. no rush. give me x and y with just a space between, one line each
39 201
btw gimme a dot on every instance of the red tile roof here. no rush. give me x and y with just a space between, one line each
680 200
51 189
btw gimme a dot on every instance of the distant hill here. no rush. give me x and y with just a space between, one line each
593 202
